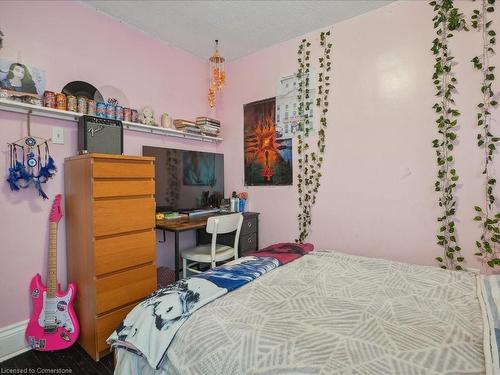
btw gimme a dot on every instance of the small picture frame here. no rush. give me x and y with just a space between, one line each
21 79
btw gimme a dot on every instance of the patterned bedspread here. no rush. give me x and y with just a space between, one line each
331 313
490 289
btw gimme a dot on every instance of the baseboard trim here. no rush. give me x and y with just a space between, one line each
12 342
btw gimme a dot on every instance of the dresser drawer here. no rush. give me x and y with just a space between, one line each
128 250
120 188
124 287
106 324
109 168
249 226
248 243
123 215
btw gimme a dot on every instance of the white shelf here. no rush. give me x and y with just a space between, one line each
13 106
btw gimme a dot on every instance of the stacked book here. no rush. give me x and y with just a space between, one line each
208 126
187 126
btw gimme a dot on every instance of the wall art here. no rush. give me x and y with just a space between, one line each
20 79
268 156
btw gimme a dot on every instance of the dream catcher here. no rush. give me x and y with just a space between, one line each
30 163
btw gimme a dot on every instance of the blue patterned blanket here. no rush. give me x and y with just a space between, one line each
490 290
150 327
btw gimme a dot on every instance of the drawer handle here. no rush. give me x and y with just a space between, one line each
249 240
249 224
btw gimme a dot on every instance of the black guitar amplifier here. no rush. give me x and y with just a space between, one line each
100 135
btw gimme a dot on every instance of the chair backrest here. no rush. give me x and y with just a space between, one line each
225 224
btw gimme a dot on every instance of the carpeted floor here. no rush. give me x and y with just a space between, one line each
73 360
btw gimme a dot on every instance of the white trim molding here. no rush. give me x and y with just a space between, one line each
12 342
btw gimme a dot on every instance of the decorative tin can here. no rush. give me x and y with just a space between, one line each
110 111
91 107
61 101
49 99
127 114
100 109
72 103
82 104
119 112
134 115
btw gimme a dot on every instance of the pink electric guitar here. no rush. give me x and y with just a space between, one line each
53 324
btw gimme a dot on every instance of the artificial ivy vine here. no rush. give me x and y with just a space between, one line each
303 96
446 20
310 162
489 244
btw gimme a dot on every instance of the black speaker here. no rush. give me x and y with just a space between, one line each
100 135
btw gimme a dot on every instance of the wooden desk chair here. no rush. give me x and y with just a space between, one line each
213 252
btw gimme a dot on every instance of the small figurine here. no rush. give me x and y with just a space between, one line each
147 116
166 121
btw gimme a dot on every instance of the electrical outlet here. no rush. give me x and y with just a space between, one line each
57 135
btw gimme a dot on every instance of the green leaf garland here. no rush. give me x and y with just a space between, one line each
447 19
489 243
310 159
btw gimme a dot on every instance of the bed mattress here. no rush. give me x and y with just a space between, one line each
331 313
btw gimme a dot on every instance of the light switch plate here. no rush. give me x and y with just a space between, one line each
58 135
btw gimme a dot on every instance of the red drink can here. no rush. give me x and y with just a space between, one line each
127 114
49 99
134 115
61 101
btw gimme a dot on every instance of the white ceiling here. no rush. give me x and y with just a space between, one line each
242 27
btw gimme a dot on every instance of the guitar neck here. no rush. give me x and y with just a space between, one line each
52 262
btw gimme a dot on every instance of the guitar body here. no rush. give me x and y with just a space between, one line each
66 329
53 324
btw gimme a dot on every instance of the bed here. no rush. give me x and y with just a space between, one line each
330 313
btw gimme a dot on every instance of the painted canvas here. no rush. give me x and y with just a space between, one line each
198 168
268 160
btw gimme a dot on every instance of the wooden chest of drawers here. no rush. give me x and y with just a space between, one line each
110 240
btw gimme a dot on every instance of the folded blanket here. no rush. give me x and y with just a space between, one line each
151 326
490 290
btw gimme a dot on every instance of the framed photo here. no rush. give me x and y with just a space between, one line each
20 79
268 159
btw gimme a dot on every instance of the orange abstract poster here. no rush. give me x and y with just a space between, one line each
268 160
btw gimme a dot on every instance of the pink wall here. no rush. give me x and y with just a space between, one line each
72 42
377 196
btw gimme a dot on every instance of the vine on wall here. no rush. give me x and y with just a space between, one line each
304 55
489 244
447 19
310 159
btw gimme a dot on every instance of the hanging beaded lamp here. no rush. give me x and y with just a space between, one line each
217 75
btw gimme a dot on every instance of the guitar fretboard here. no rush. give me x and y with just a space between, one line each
52 262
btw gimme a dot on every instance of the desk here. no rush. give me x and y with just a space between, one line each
200 222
